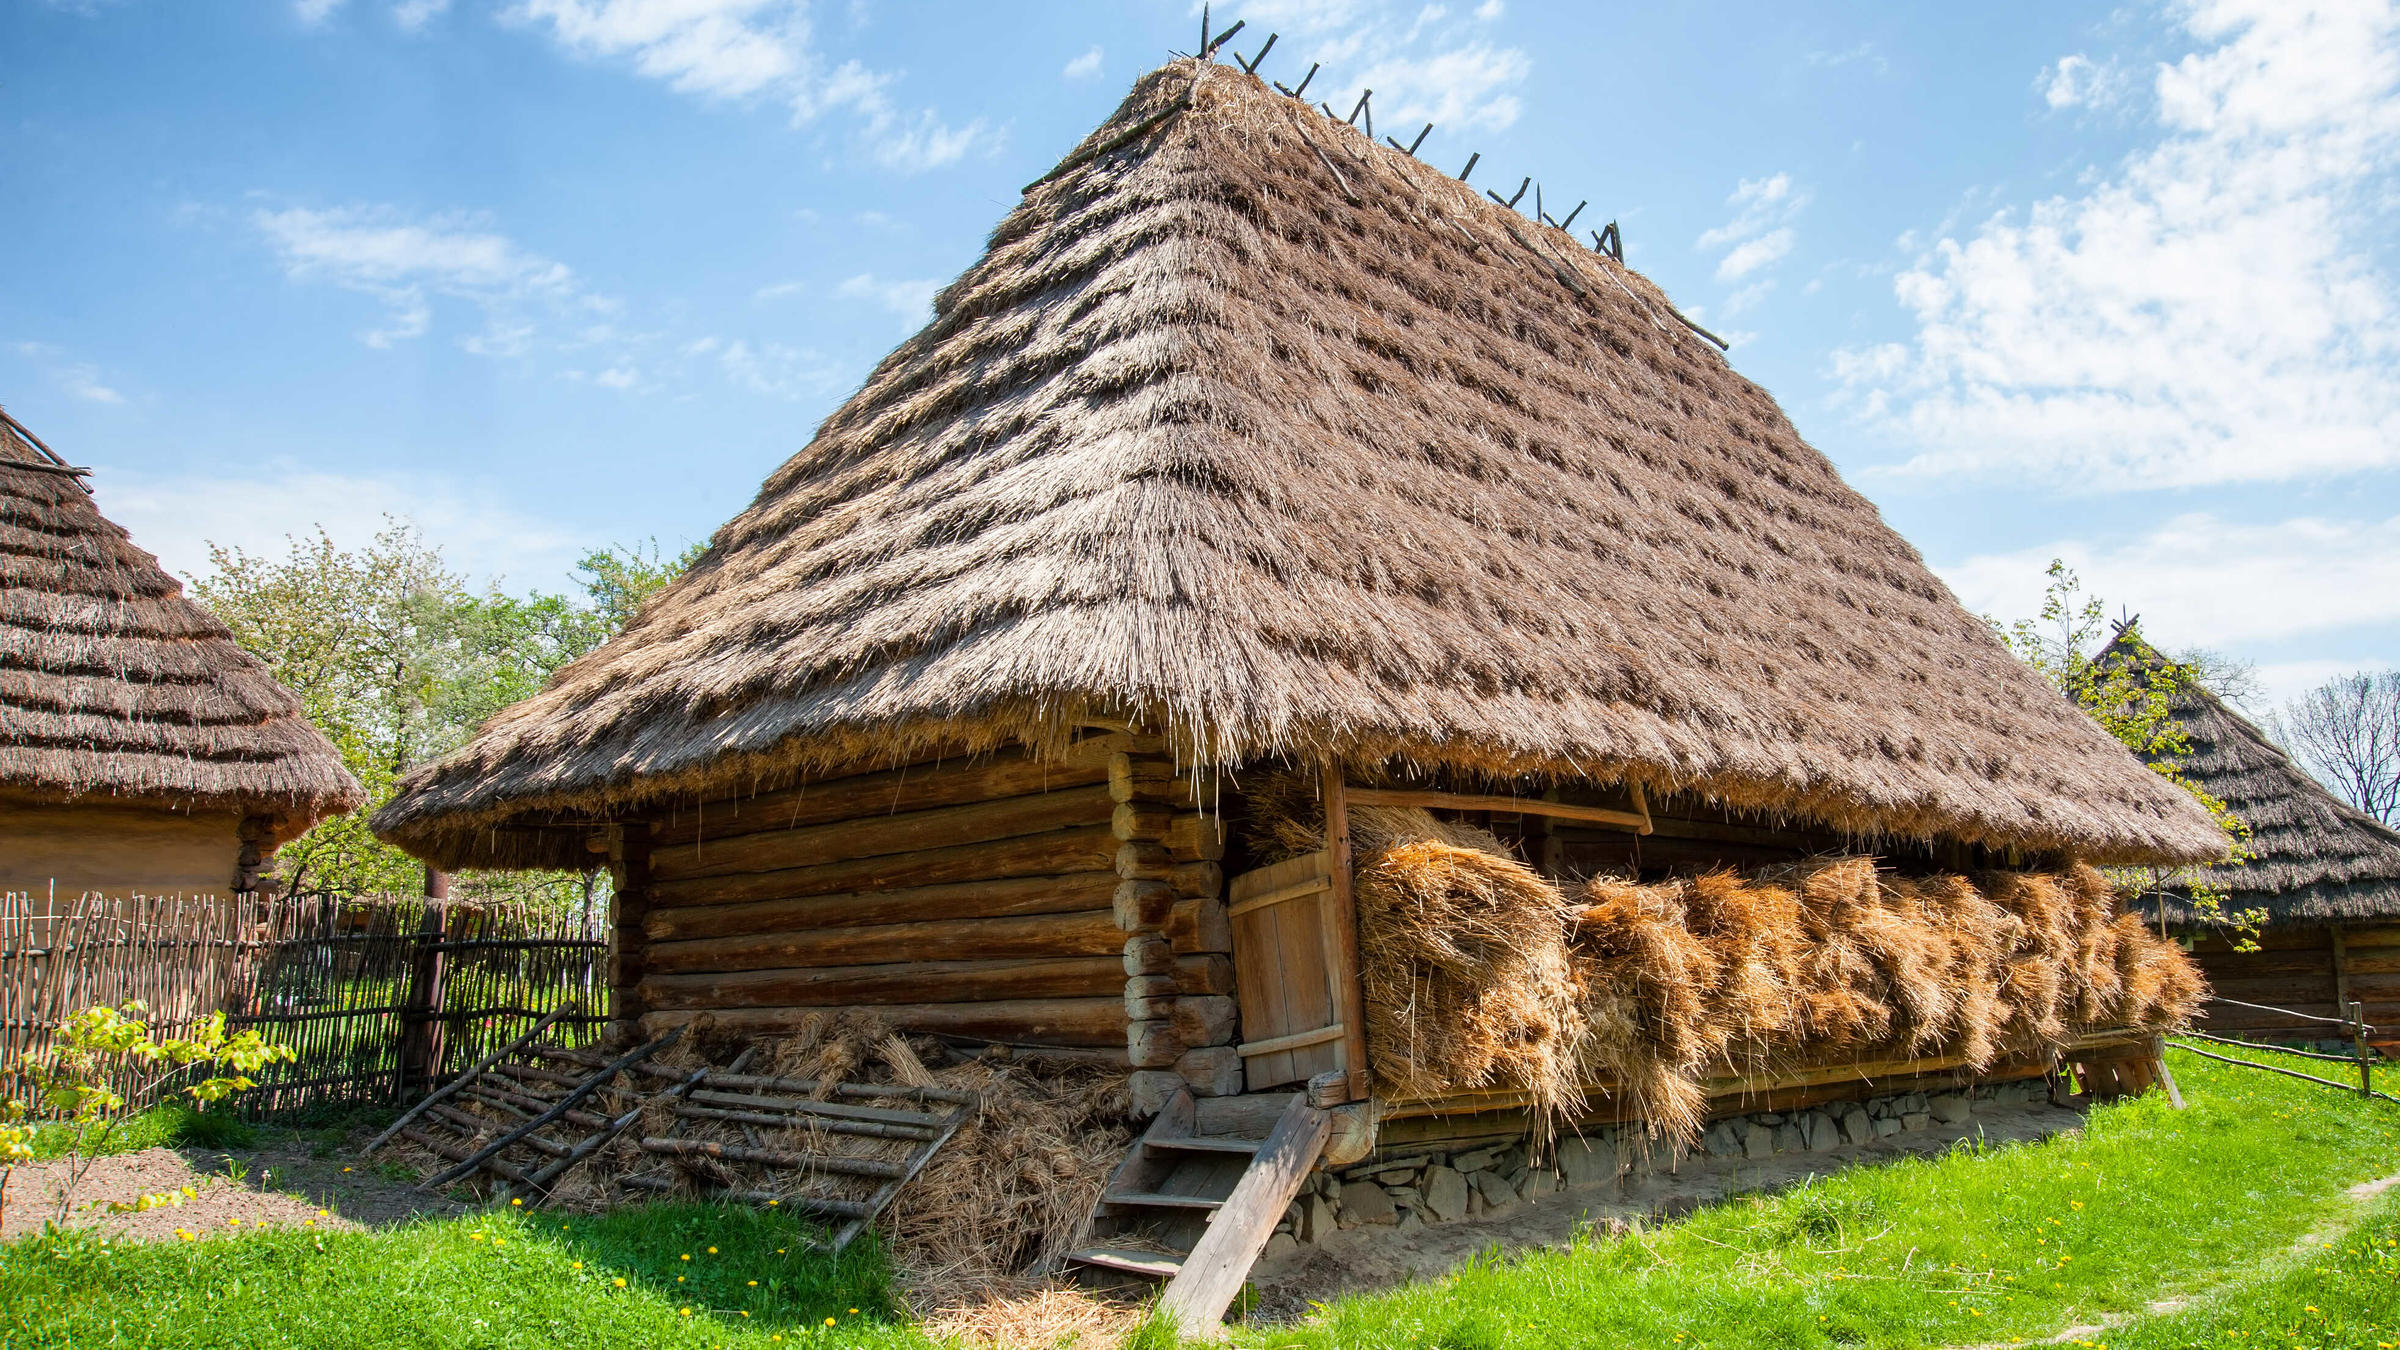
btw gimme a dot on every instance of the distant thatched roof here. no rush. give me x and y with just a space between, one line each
113 685
1274 439
2318 857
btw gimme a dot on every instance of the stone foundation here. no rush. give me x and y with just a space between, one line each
1412 1188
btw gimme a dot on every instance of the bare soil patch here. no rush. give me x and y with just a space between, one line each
281 1182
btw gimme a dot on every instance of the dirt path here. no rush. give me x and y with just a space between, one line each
281 1182
1369 1258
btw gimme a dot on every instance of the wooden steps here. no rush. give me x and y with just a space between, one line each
1194 1209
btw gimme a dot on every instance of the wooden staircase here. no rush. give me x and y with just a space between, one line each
1199 1194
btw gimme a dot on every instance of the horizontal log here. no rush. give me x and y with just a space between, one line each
1523 806
805 1106
2256 965
2372 961
899 982
1054 1021
773 1120
858 909
1092 933
919 787
876 836
2374 935
2281 938
1055 853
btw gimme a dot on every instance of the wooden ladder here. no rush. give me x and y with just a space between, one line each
1193 1207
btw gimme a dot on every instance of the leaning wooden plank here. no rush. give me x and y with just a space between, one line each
548 1176
913 1164
810 1107
867 1129
773 1157
1221 1260
589 1086
446 1090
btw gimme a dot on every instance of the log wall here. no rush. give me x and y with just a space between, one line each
2310 969
1075 903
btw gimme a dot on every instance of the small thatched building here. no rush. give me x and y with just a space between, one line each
1249 443
2325 874
140 749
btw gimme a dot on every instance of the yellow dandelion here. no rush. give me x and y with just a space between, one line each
829 1321
854 1312
620 1281
322 1213
687 1256
754 1284
578 1265
679 1279
745 1312
685 1311
516 1202
712 1251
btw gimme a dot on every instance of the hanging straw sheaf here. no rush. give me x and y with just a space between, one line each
1691 978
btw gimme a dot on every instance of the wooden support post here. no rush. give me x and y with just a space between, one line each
2341 967
629 866
1341 935
421 1026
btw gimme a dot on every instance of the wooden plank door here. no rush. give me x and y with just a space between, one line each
1287 977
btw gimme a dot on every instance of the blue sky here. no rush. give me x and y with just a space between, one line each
2043 279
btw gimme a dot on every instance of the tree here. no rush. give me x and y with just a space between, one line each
2134 700
2347 730
398 663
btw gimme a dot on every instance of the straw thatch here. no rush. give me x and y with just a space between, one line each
1725 972
113 685
1273 439
2316 858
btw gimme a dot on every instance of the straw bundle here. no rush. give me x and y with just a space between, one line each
1686 978
1462 950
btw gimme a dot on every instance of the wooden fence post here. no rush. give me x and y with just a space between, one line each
421 1025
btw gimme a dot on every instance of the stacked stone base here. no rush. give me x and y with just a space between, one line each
1412 1188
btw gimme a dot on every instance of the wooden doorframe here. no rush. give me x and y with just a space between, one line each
1340 913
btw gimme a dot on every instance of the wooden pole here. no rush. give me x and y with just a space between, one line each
1340 911
421 1026
2358 1038
2341 967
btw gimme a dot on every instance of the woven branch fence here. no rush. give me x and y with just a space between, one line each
376 993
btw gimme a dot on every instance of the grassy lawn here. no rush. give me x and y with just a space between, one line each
1977 1247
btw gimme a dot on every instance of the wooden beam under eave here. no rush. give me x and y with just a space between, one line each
1340 912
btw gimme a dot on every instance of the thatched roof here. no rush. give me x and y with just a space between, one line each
2317 858
1274 439
113 685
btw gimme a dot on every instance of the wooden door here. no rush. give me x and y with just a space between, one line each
1288 971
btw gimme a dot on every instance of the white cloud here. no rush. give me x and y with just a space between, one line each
2197 580
178 516
406 264
617 377
415 14
1423 64
771 368
2080 82
314 11
741 49
910 299
1758 235
2210 311
781 290
1864 54
1084 66
76 379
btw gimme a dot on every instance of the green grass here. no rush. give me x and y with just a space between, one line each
2346 1298
663 1276
1977 1246
167 1125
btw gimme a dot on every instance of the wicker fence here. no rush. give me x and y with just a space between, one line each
373 992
